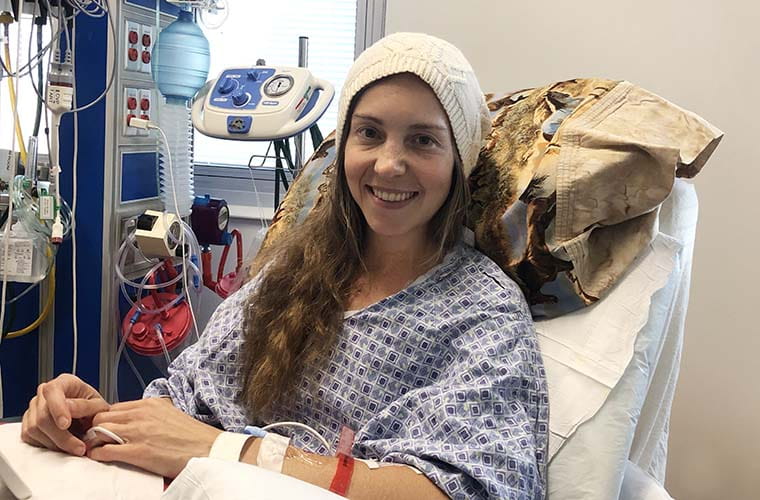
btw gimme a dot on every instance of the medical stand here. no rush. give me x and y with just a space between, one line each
283 159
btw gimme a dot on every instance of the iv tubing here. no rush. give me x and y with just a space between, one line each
160 336
300 426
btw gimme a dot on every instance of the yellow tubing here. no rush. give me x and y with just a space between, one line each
43 316
12 93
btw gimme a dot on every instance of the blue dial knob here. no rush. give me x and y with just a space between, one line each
239 98
227 86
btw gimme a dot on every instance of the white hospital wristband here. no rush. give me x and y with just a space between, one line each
228 446
272 452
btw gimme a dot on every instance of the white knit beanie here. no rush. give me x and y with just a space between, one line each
439 64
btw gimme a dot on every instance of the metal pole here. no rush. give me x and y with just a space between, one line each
303 62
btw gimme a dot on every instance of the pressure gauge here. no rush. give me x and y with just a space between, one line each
174 235
223 218
279 85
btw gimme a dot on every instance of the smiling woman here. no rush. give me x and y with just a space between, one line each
373 315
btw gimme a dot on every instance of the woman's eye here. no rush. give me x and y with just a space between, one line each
424 141
367 133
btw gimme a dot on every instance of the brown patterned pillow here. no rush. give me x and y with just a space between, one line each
567 187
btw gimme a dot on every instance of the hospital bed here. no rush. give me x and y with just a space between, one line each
611 367
609 429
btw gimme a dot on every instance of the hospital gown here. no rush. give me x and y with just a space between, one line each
444 375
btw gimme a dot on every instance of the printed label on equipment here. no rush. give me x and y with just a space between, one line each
47 208
20 253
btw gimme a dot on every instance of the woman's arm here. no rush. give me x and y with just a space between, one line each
392 482
162 439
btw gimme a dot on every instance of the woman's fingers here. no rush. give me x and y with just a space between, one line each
58 438
30 434
127 453
57 391
48 421
83 408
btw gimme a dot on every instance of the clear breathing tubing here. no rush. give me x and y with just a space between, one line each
143 285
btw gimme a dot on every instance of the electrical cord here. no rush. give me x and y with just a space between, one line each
176 211
62 22
37 60
75 160
262 219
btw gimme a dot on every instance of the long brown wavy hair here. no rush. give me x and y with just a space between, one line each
294 316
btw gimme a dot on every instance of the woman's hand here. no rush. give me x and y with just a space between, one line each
61 411
158 437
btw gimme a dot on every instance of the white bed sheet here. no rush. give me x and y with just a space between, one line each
592 444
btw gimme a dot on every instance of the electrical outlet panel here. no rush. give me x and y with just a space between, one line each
132 46
147 38
131 109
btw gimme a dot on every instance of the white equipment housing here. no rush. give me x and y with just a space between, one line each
260 103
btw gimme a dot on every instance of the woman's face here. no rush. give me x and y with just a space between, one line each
399 156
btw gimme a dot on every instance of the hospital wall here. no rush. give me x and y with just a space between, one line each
704 56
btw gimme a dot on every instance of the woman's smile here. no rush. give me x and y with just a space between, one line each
393 199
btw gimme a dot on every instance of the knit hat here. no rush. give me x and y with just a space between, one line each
439 64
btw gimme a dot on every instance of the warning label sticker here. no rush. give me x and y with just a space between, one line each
19 259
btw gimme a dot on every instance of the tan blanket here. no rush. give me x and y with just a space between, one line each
567 187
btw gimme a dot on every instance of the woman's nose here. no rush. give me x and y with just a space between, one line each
391 160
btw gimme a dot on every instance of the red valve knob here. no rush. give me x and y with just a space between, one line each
139 330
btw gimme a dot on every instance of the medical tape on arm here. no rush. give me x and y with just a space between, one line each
228 446
272 452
